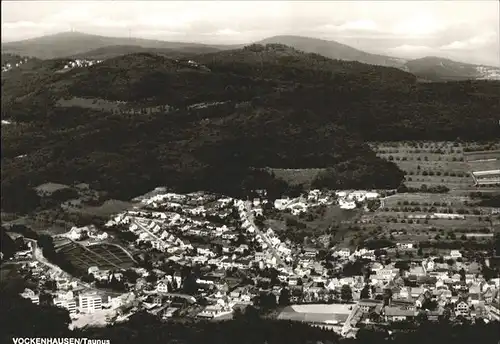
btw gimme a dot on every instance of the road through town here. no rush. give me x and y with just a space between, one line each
247 215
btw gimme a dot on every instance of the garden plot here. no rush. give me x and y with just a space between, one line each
484 165
424 199
103 256
482 155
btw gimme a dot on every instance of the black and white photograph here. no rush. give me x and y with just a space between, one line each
250 172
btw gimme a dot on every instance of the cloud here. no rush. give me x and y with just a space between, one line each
361 24
178 22
411 51
26 25
110 23
151 33
474 42
226 32
408 48
418 25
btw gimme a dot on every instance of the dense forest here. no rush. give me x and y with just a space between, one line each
278 107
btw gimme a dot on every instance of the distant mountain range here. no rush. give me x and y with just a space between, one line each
437 68
335 50
81 45
68 44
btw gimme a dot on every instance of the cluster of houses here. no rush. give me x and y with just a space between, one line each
87 232
237 261
301 204
83 303
350 199
430 288
78 63
9 66
66 291
302 272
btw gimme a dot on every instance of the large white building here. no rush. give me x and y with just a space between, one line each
486 177
30 294
89 303
70 305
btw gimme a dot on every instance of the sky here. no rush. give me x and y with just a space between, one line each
462 30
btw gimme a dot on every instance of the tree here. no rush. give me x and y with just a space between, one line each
130 275
346 293
429 304
387 296
462 274
189 285
265 300
151 277
365 292
284 299
421 317
402 265
88 278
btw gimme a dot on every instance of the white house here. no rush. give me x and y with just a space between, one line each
343 253
405 245
347 204
89 303
30 294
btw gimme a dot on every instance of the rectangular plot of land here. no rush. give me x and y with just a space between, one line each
482 155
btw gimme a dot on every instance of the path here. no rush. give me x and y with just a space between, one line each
116 245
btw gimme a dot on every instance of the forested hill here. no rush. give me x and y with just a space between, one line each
138 121
334 50
66 44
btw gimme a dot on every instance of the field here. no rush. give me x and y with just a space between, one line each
409 216
320 223
104 256
303 176
108 208
473 156
89 103
50 188
441 163
316 313
110 106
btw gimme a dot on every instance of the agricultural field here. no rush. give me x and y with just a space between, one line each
50 188
441 163
304 176
110 106
104 256
318 221
410 216
106 209
317 313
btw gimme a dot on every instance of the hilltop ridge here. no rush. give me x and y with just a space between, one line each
82 45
